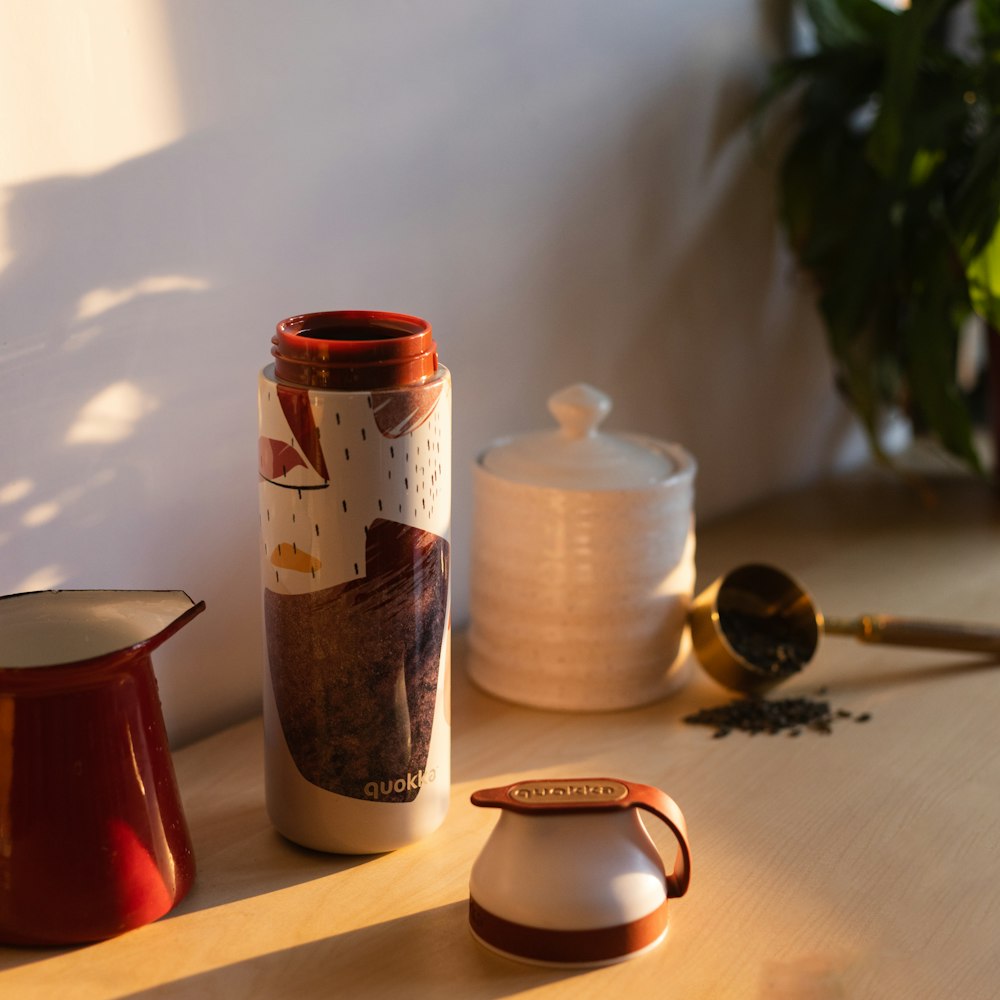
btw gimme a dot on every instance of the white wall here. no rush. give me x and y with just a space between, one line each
565 188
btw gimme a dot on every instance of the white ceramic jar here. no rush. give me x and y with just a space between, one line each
582 564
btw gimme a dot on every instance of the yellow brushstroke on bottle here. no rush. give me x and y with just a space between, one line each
289 556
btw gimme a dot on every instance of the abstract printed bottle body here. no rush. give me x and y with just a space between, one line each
355 497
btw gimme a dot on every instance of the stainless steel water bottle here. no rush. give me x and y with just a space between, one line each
355 509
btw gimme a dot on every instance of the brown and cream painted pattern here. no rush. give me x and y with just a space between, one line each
355 510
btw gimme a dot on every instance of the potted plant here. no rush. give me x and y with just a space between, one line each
889 193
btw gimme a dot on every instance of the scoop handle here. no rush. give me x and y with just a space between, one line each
893 631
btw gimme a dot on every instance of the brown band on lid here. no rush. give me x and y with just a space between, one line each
577 795
592 945
354 350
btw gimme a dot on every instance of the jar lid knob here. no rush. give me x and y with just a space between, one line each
579 409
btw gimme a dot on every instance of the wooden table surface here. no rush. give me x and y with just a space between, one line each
860 864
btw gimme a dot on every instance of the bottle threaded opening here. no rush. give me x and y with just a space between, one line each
354 349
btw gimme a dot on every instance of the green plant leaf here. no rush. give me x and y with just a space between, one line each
846 23
924 163
931 346
988 16
904 53
890 196
939 402
977 197
983 274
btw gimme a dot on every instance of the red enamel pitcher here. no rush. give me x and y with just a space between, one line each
93 839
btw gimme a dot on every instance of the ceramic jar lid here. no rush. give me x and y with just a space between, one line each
571 876
576 455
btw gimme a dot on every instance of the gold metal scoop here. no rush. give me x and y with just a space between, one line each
757 626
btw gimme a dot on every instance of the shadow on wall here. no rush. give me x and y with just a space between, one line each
139 301
122 467
563 194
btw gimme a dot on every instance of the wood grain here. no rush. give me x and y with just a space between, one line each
859 864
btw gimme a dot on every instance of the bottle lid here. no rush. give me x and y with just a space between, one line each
354 350
592 890
577 455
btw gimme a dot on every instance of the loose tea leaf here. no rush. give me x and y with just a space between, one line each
771 643
760 715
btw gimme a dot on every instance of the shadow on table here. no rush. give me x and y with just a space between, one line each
239 872
892 674
424 954
254 860
14 956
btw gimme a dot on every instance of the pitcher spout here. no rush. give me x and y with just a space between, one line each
58 627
